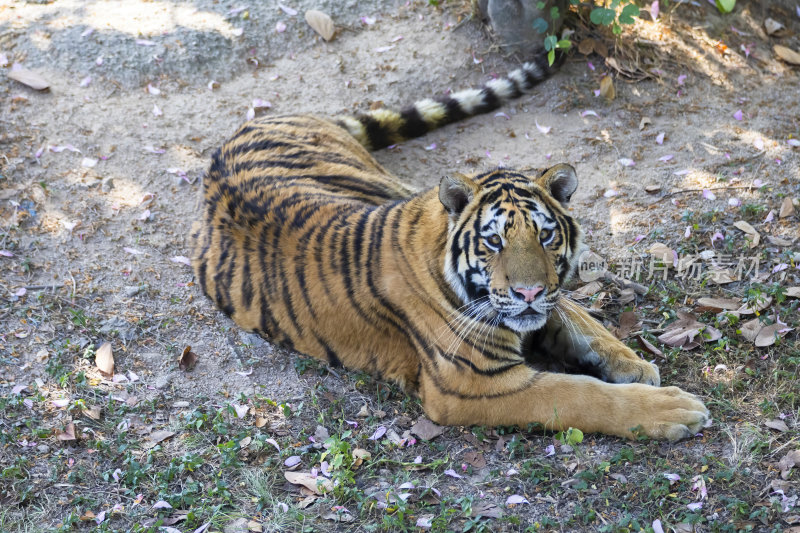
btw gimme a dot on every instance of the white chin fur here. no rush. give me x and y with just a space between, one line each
525 323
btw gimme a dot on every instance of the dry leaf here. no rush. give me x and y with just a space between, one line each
586 46
188 359
628 321
93 412
793 292
68 434
788 461
338 517
644 122
787 208
321 23
477 460
318 485
252 525
261 422
718 304
104 359
787 54
486 509
766 337
159 436
590 289
772 26
750 329
662 252
687 331
426 430
749 230
607 90
28 77
648 347
777 424
760 305
652 189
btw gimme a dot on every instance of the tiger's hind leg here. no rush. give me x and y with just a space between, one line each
574 340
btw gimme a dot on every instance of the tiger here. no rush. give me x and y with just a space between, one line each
454 292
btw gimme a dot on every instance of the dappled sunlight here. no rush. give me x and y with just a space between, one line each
136 18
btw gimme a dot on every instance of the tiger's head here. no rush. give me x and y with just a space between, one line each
511 243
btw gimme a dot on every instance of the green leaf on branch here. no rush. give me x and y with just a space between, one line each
564 44
551 57
603 16
550 42
725 6
554 12
629 12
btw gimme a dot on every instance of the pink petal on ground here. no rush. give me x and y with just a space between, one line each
660 138
625 162
543 129
153 90
274 443
476 60
610 193
654 9
695 506
738 115
759 143
793 142
6 253
757 182
688 232
87 32
98 61
156 111
382 49
452 473
213 84
145 215
100 517
115 474
682 79
590 65
368 21
61 402
431 146
638 238
549 450
294 460
501 114
251 113
708 195
88 162
86 81
39 152
161 504
657 526
59 149
672 477
27 402
734 202
395 39
717 237
145 42
770 216
665 158
424 522
516 499
153 150
682 172
288 10
589 112
280 27
133 251
380 432
18 389
780 268
258 103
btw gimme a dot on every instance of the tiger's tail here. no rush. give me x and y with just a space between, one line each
384 127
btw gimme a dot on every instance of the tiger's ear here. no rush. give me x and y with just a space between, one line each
455 192
560 181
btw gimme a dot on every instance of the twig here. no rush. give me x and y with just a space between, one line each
638 288
41 287
673 193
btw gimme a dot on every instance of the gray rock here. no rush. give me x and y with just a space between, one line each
162 381
130 292
43 448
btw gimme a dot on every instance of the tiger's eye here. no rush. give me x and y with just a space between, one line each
545 235
495 240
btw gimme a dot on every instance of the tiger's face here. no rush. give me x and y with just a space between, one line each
511 244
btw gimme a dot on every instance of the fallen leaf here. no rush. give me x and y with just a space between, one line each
750 329
68 434
425 521
772 26
716 305
749 230
318 485
104 359
516 499
787 208
360 455
652 189
644 122
628 321
788 461
587 290
486 510
338 517
27 77
755 307
261 421
477 460
252 525
321 23
787 54
607 90
93 412
161 504
586 46
160 436
777 424
793 292
767 335
684 332
662 252
648 347
426 430
188 359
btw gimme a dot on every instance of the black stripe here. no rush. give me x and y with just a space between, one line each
413 125
377 135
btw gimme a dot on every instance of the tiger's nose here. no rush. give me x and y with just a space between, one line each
527 293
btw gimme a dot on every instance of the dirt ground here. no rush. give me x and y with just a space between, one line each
100 175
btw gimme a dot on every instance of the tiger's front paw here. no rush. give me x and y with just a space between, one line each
631 370
667 413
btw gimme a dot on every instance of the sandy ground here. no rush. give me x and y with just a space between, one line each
100 175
